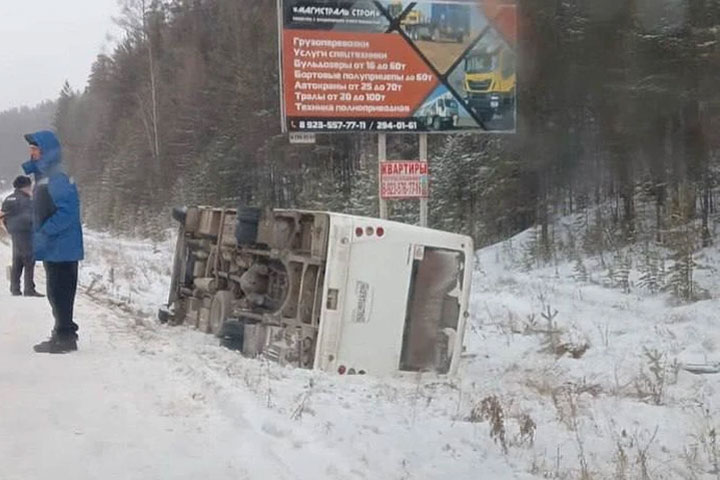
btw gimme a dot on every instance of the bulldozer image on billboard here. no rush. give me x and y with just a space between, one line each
489 82
441 22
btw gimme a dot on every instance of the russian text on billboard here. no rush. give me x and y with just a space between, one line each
405 179
393 65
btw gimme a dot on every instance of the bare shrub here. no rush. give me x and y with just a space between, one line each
707 439
621 461
631 458
566 400
651 382
528 427
604 334
712 450
693 464
643 457
543 467
490 409
303 400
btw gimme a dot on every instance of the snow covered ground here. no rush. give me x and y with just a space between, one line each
626 407
561 379
141 400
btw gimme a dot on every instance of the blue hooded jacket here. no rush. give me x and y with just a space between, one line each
57 235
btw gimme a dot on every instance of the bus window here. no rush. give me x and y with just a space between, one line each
433 311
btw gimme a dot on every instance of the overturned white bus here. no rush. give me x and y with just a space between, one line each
323 290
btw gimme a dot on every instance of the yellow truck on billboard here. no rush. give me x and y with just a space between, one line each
413 17
441 22
489 82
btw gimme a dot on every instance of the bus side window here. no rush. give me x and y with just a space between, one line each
433 311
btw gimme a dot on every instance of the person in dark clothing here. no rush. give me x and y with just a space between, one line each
57 236
17 215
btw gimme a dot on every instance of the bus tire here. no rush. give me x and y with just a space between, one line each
220 310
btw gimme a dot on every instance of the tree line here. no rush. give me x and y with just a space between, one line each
13 149
617 113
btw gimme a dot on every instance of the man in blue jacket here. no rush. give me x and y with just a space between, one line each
57 236
17 215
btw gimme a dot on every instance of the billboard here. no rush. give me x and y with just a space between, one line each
404 179
398 66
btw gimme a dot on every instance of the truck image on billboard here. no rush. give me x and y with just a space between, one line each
398 66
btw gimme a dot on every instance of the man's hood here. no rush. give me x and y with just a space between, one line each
51 151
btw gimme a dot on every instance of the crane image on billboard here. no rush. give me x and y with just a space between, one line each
398 66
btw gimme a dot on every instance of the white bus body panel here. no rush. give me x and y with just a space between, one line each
367 282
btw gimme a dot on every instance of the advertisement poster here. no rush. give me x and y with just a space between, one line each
404 179
398 66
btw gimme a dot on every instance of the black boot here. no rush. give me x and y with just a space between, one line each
33 294
57 345
15 293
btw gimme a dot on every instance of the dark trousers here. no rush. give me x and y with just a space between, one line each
22 263
62 280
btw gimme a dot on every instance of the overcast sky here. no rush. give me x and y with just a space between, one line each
45 42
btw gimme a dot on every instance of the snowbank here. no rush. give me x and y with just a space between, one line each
561 378
133 274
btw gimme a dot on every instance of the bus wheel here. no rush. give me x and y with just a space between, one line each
220 310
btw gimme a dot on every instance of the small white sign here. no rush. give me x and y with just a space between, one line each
302 138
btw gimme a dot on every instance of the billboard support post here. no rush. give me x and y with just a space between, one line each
424 200
382 158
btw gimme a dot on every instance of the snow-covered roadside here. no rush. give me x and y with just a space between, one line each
133 404
523 406
625 407
138 394
131 273
134 274
623 404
